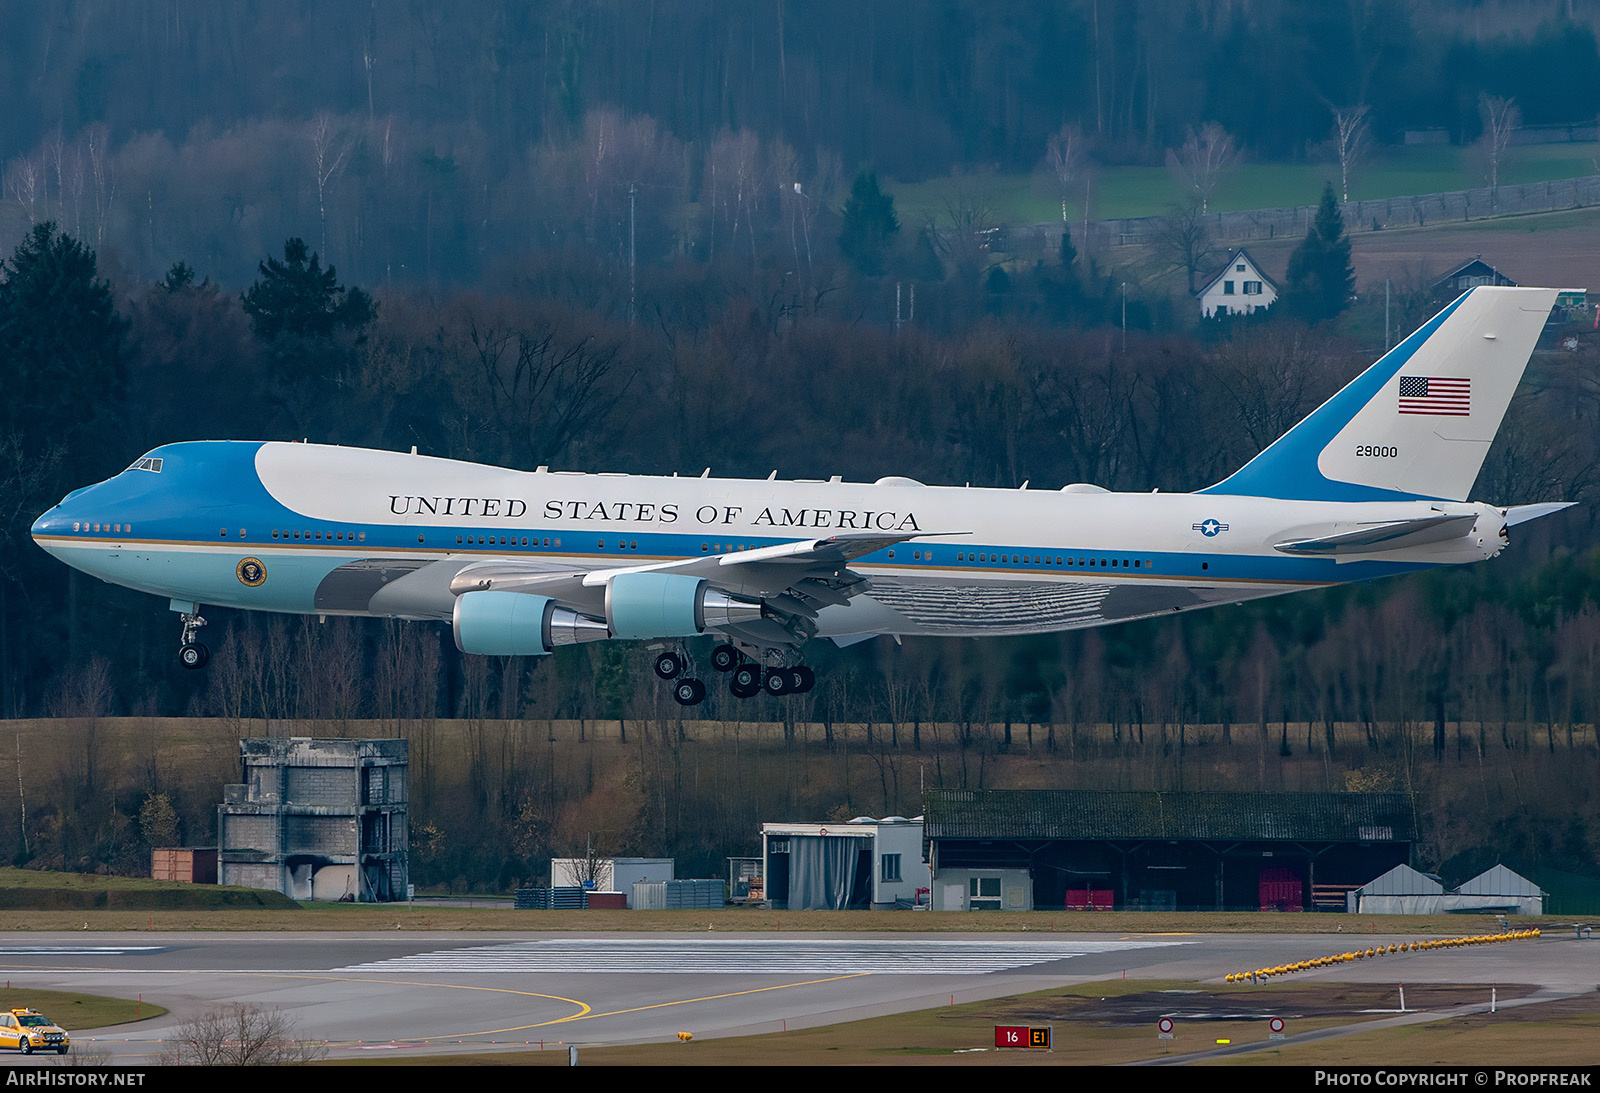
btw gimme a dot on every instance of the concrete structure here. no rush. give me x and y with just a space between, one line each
318 819
1238 288
833 867
610 874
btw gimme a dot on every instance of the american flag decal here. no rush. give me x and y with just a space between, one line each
1440 396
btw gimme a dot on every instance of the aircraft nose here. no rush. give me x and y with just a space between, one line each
63 518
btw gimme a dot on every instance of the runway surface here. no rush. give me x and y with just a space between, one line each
434 993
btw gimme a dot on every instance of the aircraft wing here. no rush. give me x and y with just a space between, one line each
793 580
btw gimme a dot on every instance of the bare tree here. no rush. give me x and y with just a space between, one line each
1501 118
240 1034
735 178
1180 240
331 145
1352 139
1202 161
545 385
26 185
96 143
1066 155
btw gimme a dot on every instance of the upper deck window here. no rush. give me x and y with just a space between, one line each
148 463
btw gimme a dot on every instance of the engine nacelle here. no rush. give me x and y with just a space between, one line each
517 624
670 605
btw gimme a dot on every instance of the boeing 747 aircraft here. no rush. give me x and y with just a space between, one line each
1373 483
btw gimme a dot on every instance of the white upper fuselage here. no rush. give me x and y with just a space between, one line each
313 528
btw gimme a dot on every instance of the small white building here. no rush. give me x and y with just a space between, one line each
609 874
834 867
970 889
1238 288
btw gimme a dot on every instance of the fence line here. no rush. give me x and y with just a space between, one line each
1377 214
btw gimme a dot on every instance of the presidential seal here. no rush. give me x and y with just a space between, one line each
251 573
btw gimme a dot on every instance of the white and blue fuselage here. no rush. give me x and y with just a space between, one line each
361 532
1372 484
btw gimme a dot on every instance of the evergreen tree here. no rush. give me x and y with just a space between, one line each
60 345
868 224
298 297
1320 278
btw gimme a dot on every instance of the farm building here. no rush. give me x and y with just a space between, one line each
1238 288
1467 275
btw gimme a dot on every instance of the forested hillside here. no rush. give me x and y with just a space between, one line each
655 238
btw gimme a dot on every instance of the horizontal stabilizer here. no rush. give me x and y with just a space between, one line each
1389 535
1521 514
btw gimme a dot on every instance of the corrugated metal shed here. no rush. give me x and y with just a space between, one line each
1098 814
1499 881
1402 880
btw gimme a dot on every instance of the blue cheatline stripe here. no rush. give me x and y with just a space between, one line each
1287 469
208 575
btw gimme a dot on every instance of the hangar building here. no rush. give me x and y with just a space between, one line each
1135 850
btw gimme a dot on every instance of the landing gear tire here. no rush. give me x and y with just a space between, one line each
777 682
746 677
193 655
669 666
689 692
744 692
801 679
724 658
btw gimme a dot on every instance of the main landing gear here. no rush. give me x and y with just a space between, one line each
746 678
191 653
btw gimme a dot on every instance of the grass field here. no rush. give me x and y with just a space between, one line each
1119 192
1114 1022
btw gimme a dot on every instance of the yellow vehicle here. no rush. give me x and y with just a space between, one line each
29 1030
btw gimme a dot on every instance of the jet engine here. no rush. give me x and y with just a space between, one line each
510 624
670 605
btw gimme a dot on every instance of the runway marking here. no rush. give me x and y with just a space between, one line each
589 1016
751 956
707 998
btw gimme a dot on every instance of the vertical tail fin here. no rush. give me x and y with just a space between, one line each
1418 423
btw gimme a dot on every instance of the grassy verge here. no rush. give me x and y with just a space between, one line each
1551 1034
79 1011
389 917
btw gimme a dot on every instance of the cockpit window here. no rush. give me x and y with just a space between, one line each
148 463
